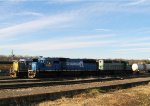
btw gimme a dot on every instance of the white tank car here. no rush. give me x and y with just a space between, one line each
138 67
147 67
141 67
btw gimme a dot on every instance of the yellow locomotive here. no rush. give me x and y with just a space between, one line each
14 69
20 68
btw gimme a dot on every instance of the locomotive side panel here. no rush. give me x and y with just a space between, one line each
74 65
90 65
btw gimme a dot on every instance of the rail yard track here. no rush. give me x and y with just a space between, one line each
32 91
27 83
8 83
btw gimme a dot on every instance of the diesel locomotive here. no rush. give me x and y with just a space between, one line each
20 68
58 67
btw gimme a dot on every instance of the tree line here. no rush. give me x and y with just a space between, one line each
18 57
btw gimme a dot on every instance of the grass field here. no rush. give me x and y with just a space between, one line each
136 96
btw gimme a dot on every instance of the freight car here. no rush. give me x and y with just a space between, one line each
141 67
5 67
46 67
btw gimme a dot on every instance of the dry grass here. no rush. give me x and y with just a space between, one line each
137 96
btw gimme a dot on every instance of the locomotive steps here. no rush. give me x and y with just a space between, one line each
34 95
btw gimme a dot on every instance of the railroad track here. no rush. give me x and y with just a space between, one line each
32 96
47 82
27 83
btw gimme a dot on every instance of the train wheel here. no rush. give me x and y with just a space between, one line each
31 74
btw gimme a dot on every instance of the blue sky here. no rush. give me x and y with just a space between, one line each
76 28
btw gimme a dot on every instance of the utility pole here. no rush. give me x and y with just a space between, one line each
12 55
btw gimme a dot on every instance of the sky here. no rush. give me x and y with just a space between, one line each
76 28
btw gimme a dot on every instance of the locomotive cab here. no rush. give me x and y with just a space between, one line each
32 70
23 68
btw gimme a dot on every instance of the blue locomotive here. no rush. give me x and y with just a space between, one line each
45 67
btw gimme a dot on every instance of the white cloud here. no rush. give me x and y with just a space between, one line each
137 2
63 1
104 7
134 41
65 43
136 44
85 37
49 21
29 13
13 2
102 29
135 50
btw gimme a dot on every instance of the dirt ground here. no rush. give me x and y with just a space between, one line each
137 96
